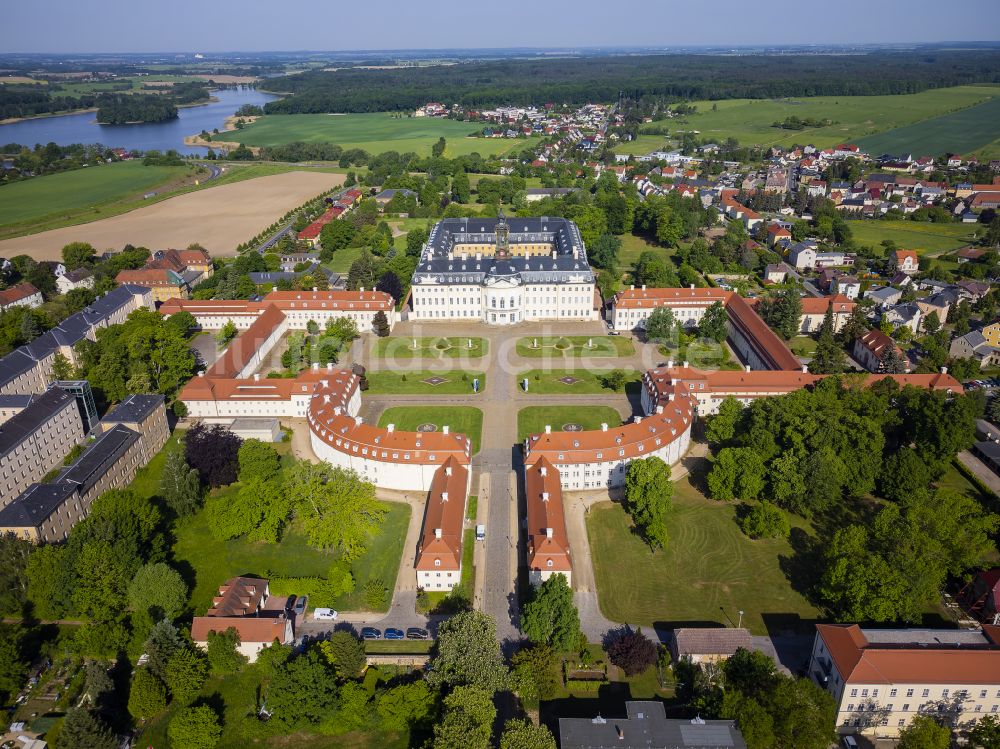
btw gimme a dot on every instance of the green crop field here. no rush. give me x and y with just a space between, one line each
459 420
974 129
67 192
853 118
533 419
709 571
932 239
559 347
373 133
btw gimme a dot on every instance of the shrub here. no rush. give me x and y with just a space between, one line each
376 594
765 521
632 652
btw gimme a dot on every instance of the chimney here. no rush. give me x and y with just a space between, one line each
637 419
362 289
358 420
692 286
644 287
747 368
444 496
315 289
444 429
670 363
201 374
944 370
685 365
545 496
437 533
805 369
631 288
548 429
315 366
326 398
621 735
548 533
670 396
447 470
256 376
391 428
604 427
659 409
329 366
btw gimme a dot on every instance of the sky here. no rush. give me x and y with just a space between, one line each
331 25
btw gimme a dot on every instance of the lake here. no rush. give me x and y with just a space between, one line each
83 128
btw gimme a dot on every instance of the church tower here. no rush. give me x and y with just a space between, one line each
503 235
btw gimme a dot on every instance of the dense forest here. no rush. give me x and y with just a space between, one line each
119 109
578 81
113 108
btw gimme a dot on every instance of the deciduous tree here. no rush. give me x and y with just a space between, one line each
523 734
180 484
551 617
158 590
648 493
223 656
186 672
468 653
467 722
194 728
345 653
632 652
213 451
147 696
924 732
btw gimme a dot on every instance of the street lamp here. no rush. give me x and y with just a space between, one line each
740 625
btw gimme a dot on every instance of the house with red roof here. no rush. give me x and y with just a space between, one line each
21 295
905 261
245 605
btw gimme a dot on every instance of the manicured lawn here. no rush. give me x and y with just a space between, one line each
560 347
457 382
802 345
406 647
643 144
459 419
373 133
852 118
431 347
633 246
578 381
929 238
342 259
211 562
147 481
70 192
532 420
471 507
708 572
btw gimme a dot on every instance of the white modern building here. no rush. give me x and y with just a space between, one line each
503 272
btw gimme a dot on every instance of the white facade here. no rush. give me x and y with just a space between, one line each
504 302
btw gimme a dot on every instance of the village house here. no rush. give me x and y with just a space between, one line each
975 345
708 644
871 349
81 278
245 604
21 295
905 261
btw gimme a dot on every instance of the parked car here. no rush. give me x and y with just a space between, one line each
391 633
416 633
324 615
300 605
370 633
480 532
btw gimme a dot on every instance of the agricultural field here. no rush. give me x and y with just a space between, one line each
430 347
534 419
219 216
373 133
81 191
459 420
975 129
853 117
558 347
925 238
709 571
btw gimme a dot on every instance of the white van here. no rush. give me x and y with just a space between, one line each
324 615
480 532
850 743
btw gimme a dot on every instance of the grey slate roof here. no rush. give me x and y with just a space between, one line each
436 267
35 505
647 727
711 640
22 425
134 409
99 456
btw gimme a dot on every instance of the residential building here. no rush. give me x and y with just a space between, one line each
47 512
548 550
775 273
27 369
36 439
802 255
20 295
814 311
975 345
708 644
991 333
245 604
534 194
439 555
905 261
81 278
871 349
908 315
647 727
882 679
164 283
847 286
504 272
387 195
884 296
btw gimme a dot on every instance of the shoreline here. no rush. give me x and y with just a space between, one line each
45 115
229 126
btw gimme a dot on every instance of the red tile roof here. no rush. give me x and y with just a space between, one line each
245 346
818 305
441 537
16 293
861 662
265 629
547 537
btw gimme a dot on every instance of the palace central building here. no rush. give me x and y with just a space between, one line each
504 271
